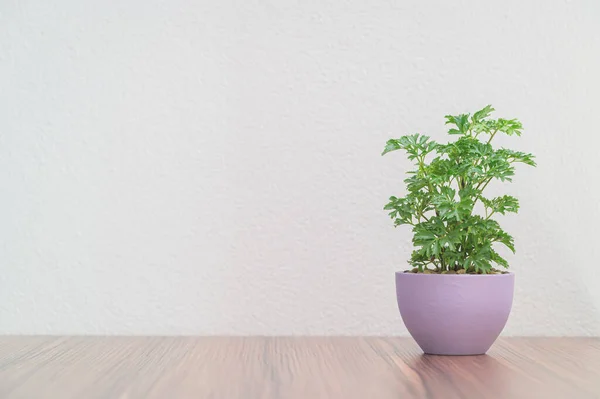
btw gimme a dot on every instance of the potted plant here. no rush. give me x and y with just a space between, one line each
455 299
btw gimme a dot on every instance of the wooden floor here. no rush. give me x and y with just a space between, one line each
307 368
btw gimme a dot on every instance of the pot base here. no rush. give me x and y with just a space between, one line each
453 354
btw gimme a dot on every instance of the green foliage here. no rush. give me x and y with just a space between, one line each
448 182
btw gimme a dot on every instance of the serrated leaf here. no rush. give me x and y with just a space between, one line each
483 113
503 204
495 257
391 145
460 121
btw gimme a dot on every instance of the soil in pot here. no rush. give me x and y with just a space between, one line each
460 271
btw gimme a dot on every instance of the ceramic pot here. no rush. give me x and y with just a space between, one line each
454 314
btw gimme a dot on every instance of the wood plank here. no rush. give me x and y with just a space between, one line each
286 367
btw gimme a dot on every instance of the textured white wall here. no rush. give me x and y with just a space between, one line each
212 167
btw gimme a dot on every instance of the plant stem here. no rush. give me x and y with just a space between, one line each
484 186
492 136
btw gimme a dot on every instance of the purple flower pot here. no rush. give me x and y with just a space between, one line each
454 314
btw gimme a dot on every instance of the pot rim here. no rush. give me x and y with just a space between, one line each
457 275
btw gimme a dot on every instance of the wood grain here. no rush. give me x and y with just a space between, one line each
261 367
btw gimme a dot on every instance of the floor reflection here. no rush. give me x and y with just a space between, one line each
464 376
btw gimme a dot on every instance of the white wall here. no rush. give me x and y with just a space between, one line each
212 167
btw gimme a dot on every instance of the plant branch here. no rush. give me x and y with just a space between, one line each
492 136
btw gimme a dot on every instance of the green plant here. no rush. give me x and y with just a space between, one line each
445 193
